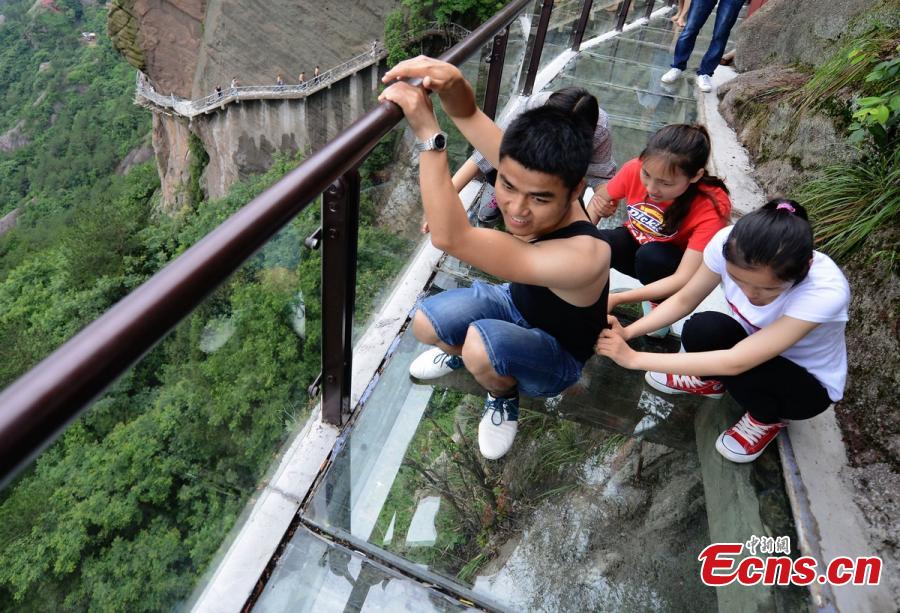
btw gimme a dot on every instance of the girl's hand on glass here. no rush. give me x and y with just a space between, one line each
614 347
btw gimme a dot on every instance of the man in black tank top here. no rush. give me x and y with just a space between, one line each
534 333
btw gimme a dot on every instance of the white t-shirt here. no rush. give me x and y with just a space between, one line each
823 297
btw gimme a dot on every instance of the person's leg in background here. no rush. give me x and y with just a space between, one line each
696 17
726 17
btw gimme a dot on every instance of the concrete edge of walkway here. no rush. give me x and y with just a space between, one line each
812 451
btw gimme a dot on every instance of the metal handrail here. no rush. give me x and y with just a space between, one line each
38 406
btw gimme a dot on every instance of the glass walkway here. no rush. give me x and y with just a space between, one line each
610 492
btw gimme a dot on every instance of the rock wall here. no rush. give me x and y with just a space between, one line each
787 149
242 139
187 47
257 41
171 141
803 31
161 37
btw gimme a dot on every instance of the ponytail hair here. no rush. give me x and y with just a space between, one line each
580 103
778 236
684 148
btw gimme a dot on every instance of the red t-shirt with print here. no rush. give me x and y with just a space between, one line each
708 214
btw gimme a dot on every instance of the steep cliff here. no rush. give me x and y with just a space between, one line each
188 47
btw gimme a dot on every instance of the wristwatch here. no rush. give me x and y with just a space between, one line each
438 142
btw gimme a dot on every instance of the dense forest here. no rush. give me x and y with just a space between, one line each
127 508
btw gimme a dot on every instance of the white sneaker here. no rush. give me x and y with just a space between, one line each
434 363
704 83
498 426
672 75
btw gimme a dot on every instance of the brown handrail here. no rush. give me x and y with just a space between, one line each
38 406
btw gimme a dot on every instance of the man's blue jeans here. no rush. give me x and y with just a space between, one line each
699 12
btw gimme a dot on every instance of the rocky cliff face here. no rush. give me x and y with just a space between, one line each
791 32
188 47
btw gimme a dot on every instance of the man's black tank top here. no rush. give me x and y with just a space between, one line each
576 328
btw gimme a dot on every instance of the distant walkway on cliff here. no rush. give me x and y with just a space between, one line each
147 96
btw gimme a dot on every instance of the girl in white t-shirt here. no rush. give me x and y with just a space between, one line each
781 354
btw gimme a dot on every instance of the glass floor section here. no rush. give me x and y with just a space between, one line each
603 504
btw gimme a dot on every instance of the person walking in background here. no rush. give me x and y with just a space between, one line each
234 84
316 74
699 12
302 78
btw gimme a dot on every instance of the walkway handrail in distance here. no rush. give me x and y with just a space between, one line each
38 406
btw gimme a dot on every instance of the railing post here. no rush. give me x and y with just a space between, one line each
340 217
535 61
623 14
497 59
649 10
582 24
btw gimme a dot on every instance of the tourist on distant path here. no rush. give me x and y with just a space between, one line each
601 168
316 74
534 333
218 91
700 10
674 208
374 46
781 355
234 84
302 78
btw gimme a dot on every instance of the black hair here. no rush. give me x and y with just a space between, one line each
778 236
685 148
550 140
578 101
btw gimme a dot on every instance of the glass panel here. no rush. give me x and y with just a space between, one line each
150 480
316 575
616 458
516 48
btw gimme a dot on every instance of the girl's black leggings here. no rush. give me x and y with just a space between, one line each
774 390
647 263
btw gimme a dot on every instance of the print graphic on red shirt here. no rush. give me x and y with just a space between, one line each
708 212
645 222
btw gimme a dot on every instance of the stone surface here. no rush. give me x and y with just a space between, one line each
256 42
135 157
14 138
243 139
799 31
171 143
8 221
787 148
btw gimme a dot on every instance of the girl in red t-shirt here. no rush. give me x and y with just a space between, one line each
674 208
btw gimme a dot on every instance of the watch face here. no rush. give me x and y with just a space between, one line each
440 142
